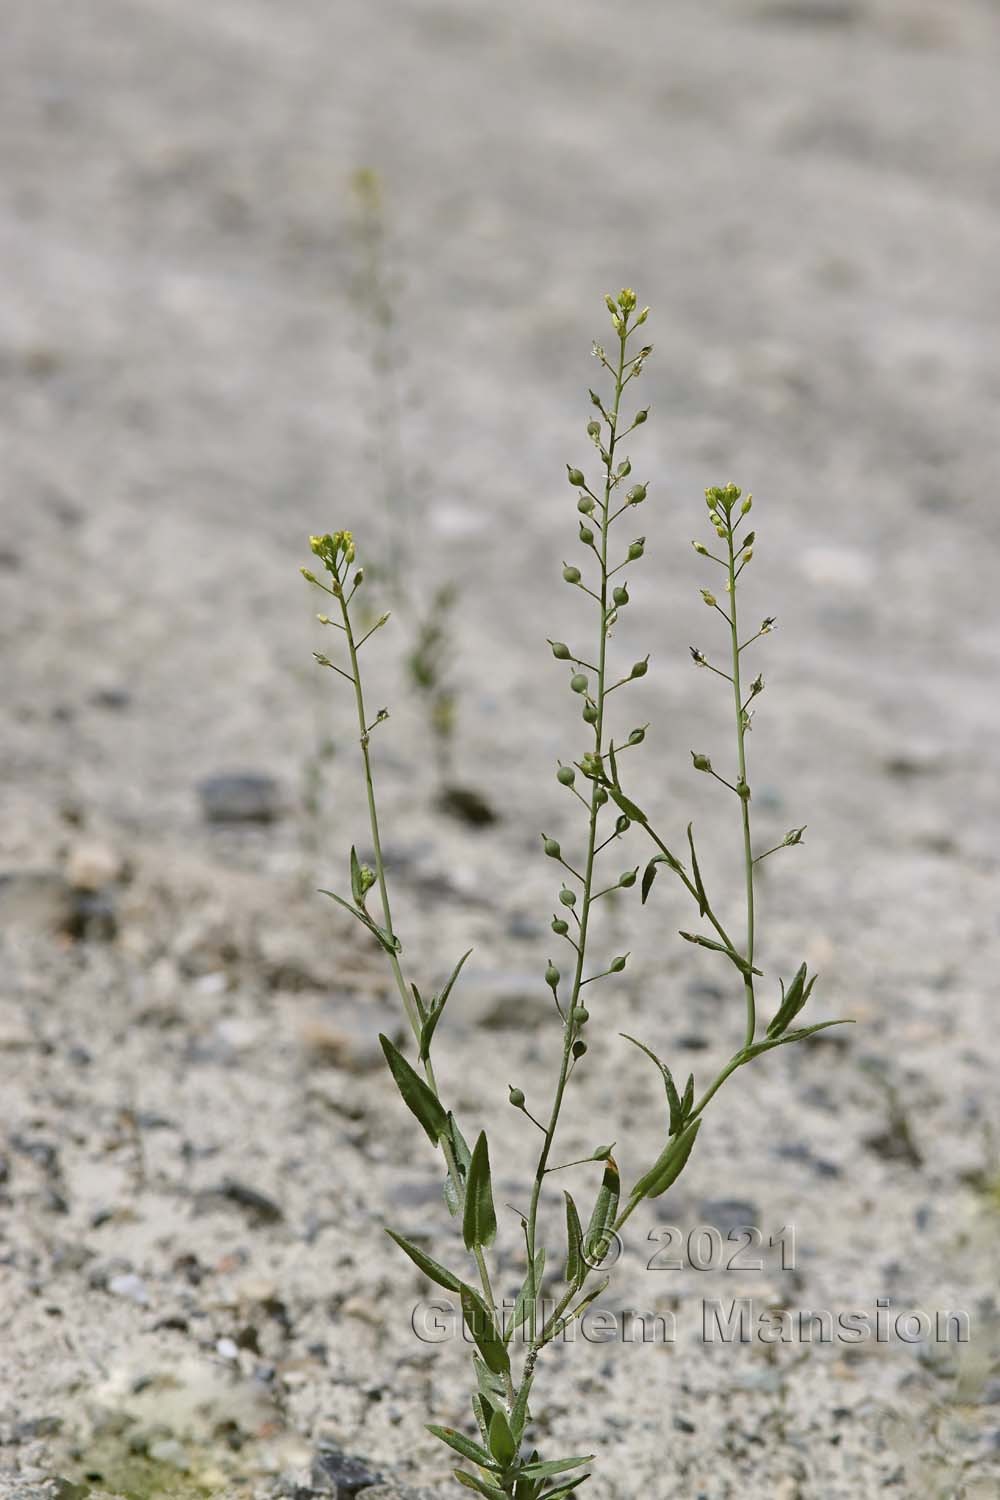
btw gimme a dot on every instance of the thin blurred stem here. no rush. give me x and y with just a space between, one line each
744 790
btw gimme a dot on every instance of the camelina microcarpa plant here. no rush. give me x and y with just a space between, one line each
499 1449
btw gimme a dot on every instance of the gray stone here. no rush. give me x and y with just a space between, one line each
240 797
340 1474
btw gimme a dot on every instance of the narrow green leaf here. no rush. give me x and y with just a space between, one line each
673 1099
597 1290
454 1194
437 1008
519 1412
491 1386
418 1001
695 871
526 1296
484 1331
668 1165
471 1482
430 1268
417 1097
502 1444
356 889
555 1466
483 1412
463 1445
563 1489
389 941
792 1002
596 1240
479 1220
649 875
574 1243
687 1102
628 808
526 1489
793 1036
734 957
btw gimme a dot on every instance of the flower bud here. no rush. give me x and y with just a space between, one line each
566 775
628 879
578 682
636 494
709 598
551 847
701 762
594 430
576 476
560 650
590 713
617 964
309 577
640 668
559 927
516 1097
626 299
551 975
748 554
636 549
642 317
571 574
567 897
609 303
746 505
700 548
580 1015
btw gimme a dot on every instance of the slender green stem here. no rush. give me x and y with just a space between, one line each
744 790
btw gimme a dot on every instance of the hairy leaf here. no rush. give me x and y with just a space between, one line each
417 1097
388 940
502 1444
430 1268
479 1220
526 1296
574 1243
596 1240
471 1482
454 1193
463 1445
673 1098
484 1331
437 1007
555 1466
668 1165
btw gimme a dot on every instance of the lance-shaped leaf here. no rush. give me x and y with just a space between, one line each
525 1302
673 1098
483 1411
471 1482
563 1489
431 1269
543 1469
357 890
502 1444
597 1241
389 941
687 1101
698 882
463 1445
799 1035
438 1004
519 1411
628 807
792 1002
490 1383
574 1243
527 1489
479 1220
668 1166
741 963
417 1097
484 1331
454 1193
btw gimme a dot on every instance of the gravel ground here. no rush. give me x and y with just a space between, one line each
200 1147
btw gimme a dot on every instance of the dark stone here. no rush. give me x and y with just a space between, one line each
36 1427
467 805
93 918
728 1213
257 1206
240 797
112 698
683 1425
337 1473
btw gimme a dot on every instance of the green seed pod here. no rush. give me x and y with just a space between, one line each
580 1015
571 574
701 762
641 416
750 538
551 975
628 878
559 927
743 790
636 494
594 430
578 682
585 505
576 476
579 1049
640 668
566 775
623 823
637 736
636 549
567 897
516 1097
560 650
620 596
617 964
586 535
590 713
600 796
552 848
